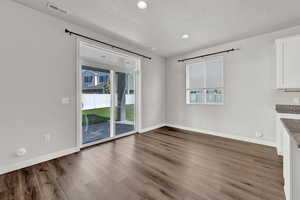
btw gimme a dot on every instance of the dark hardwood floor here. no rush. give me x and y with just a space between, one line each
160 165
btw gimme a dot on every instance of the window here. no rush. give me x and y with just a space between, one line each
204 82
103 77
88 79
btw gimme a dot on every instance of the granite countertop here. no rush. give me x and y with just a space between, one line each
293 128
289 109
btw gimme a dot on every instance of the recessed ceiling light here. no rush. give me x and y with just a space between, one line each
185 36
153 48
142 5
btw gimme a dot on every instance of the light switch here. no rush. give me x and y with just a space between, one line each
65 100
296 100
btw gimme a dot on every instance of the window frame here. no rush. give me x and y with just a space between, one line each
204 89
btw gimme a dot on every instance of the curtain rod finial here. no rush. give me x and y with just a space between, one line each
67 31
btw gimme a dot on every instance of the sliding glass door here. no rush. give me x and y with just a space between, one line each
108 94
125 102
96 104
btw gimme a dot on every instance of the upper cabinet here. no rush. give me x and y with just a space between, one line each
288 63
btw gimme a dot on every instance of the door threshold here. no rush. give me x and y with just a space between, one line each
83 146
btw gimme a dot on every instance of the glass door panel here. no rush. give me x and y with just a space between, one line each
96 104
124 84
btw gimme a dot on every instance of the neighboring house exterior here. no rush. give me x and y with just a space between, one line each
93 78
88 78
94 81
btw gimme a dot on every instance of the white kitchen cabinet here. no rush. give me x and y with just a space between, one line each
291 166
288 63
280 129
287 166
296 170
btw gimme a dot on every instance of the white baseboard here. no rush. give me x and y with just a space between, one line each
143 130
51 156
37 160
230 136
280 153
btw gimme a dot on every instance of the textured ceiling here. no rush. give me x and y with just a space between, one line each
209 22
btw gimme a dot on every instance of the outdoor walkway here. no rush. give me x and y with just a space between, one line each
101 131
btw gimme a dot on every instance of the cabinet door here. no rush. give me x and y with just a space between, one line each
296 171
292 62
287 167
280 64
280 131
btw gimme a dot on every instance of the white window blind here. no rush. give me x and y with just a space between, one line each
205 82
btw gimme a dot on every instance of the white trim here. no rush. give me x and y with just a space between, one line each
37 160
289 37
225 135
110 50
112 120
138 74
143 130
78 96
138 97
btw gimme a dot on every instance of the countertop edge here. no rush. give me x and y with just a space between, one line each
289 131
287 109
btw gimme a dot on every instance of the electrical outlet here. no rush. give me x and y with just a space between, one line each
21 152
259 134
47 137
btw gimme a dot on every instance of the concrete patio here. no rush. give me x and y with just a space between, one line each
95 132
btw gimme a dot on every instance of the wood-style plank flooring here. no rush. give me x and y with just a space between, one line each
164 164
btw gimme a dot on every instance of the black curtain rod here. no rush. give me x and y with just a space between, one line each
210 54
111 45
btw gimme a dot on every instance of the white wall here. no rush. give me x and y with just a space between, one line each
41 60
249 90
38 66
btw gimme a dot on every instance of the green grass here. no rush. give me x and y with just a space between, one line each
96 116
130 112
